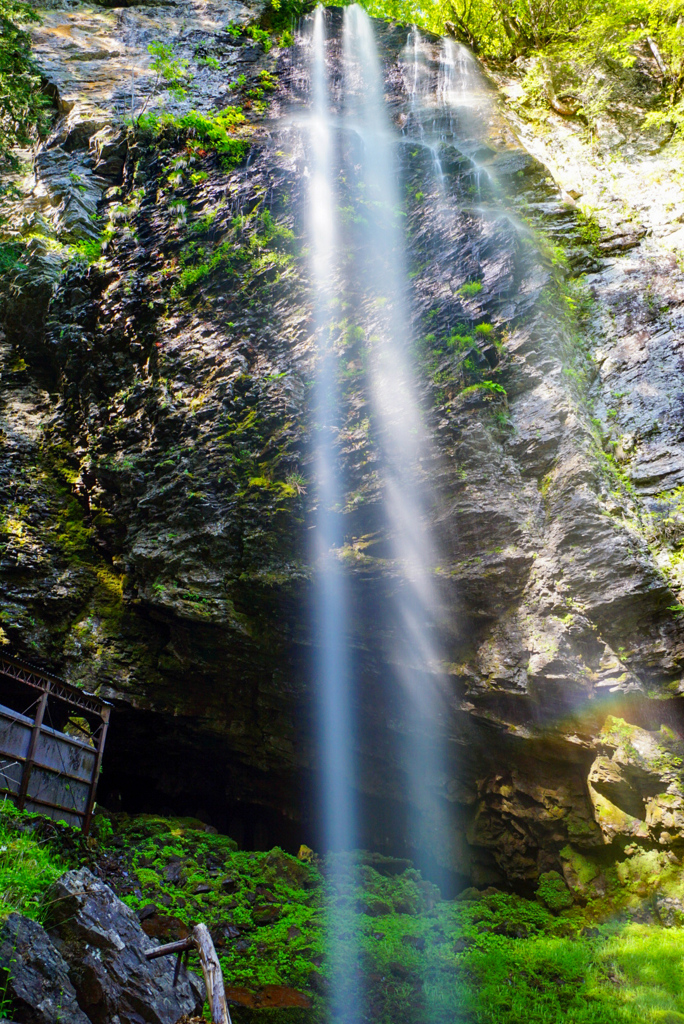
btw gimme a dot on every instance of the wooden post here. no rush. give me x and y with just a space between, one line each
211 969
30 756
96 772
213 978
179 946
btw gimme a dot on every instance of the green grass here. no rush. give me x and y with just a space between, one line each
648 966
27 866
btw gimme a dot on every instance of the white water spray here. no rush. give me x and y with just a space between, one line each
332 600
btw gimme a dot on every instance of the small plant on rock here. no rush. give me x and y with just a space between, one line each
470 289
172 74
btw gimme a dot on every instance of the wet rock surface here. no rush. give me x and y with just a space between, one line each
38 983
159 488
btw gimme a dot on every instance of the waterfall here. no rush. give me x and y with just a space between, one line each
401 438
336 731
465 108
332 599
361 267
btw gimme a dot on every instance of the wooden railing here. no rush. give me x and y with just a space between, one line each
41 767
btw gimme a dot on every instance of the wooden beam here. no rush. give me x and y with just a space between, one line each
171 947
213 978
55 807
211 969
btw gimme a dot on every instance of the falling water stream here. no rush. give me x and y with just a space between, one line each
352 146
332 599
400 432
338 811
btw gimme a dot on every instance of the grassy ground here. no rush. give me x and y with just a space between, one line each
408 956
28 864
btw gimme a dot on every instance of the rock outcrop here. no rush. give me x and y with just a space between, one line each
38 983
90 965
159 487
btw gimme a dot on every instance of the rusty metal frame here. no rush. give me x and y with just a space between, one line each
23 672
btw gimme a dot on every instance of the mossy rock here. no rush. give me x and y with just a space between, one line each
553 892
282 1015
489 956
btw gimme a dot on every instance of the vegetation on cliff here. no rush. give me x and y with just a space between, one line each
173 441
566 39
22 104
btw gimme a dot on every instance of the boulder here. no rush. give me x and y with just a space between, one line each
109 147
104 945
36 975
636 784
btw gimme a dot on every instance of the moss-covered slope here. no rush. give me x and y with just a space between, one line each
407 955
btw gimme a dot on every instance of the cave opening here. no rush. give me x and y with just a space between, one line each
160 765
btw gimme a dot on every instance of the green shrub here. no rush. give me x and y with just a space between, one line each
10 257
256 242
470 288
27 867
23 104
89 249
221 132
281 15
259 35
460 341
487 388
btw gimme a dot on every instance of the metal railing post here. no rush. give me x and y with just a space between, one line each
96 771
30 756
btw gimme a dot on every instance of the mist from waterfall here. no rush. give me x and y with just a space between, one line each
353 147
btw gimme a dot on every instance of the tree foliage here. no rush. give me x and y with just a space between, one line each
22 103
509 28
581 32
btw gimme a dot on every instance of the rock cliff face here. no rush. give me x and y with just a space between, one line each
158 485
